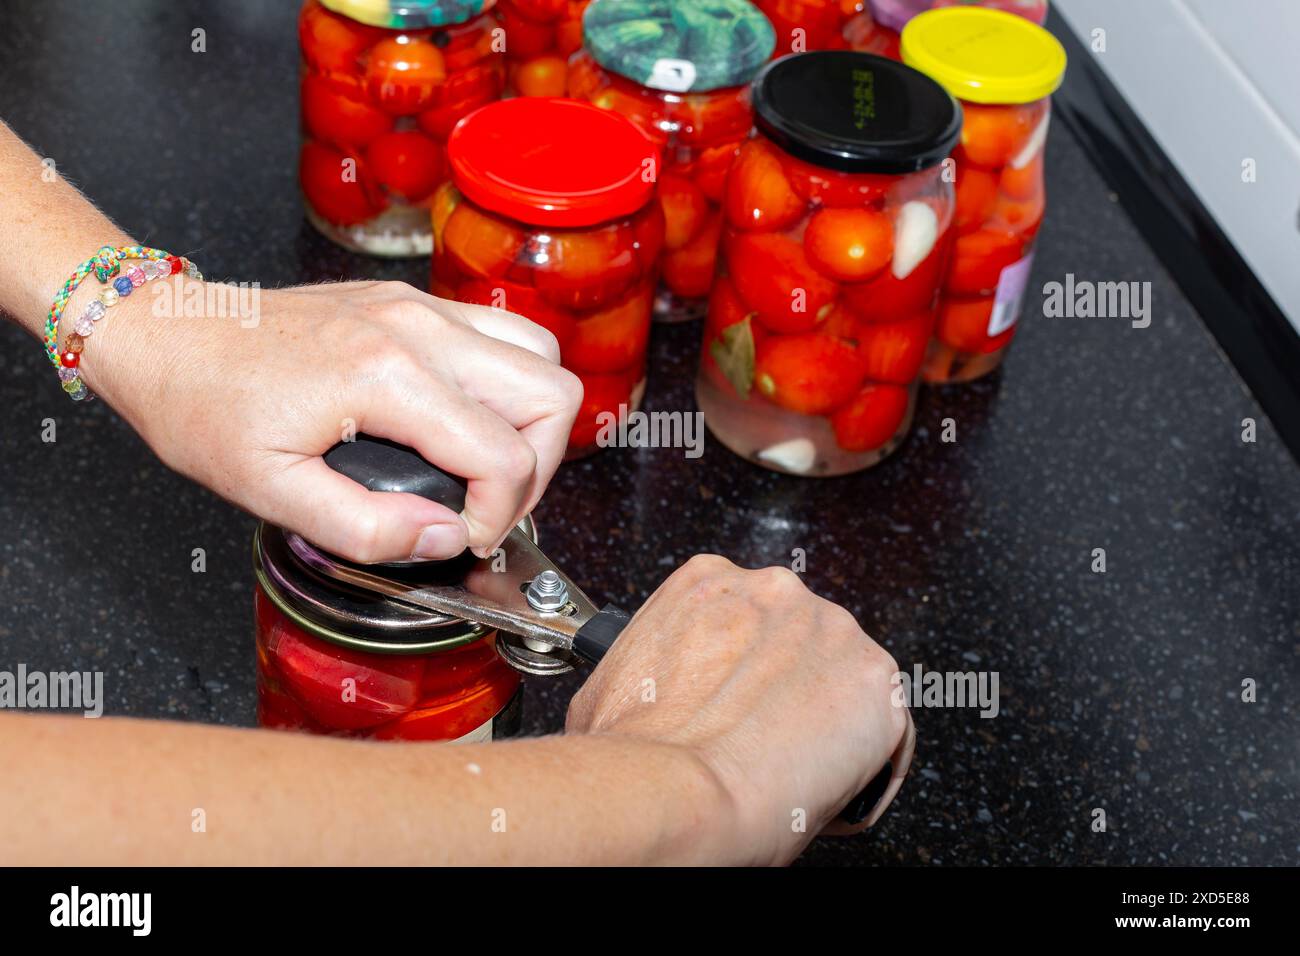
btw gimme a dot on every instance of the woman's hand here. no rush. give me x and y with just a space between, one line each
248 404
775 689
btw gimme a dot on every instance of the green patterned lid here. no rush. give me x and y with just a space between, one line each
409 14
679 45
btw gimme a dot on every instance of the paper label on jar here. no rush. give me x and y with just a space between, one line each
675 76
1010 295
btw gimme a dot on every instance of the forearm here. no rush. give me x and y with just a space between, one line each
128 792
46 229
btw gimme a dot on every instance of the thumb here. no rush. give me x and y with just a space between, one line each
339 515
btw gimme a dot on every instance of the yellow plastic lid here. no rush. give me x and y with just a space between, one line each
984 56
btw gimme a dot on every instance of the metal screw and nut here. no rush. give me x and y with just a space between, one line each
547 592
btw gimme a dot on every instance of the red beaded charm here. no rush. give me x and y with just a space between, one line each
175 263
70 359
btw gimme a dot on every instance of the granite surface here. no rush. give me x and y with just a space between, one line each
1119 690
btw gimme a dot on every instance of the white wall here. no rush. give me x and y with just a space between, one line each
1217 82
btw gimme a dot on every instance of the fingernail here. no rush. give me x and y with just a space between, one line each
860 807
438 542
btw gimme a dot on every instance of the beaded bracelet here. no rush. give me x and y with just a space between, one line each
105 264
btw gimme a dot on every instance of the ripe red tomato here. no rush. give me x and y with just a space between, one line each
341 688
340 193
685 208
526 37
964 325
585 269
893 351
403 74
542 76
811 374
872 418
331 42
407 163
827 187
711 168
993 135
601 393
977 193
332 116
481 245
850 245
978 259
688 271
758 195
612 340
772 274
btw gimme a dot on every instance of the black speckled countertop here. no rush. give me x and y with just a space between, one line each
1119 690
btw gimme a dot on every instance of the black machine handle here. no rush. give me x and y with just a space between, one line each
382 465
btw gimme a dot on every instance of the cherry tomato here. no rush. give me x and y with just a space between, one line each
403 74
522 300
993 135
601 393
1023 183
445 200
815 184
964 325
685 209
542 76
850 245
340 193
614 339
526 37
726 308
758 195
703 119
407 163
649 229
461 95
481 245
1021 217
688 271
872 418
568 32
331 42
331 116
711 170
773 275
583 270
977 193
885 298
893 351
811 374
978 259
345 689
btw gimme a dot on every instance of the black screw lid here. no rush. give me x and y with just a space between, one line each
856 112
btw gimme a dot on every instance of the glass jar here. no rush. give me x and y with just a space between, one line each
565 233
805 25
836 239
540 37
690 92
876 27
335 660
382 86
1003 68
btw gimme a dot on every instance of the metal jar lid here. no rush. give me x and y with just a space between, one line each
292 574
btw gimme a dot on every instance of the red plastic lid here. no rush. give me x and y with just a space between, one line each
553 162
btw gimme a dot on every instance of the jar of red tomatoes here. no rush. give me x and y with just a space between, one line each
1003 68
680 71
332 659
835 243
551 214
540 37
383 83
